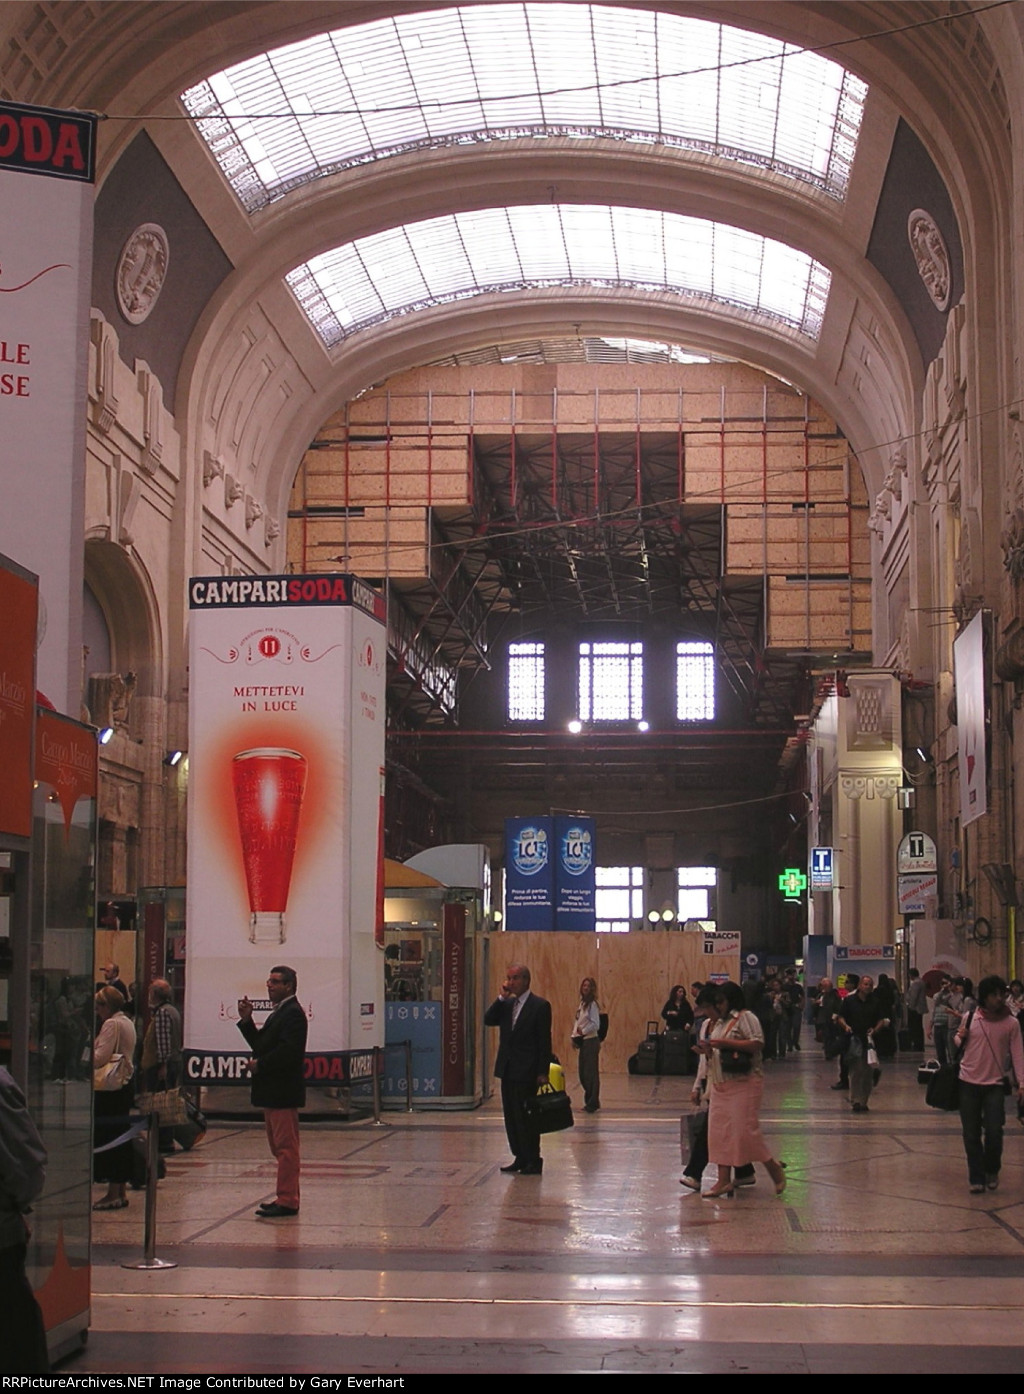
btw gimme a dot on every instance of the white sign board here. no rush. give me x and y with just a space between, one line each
46 215
915 891
917 852
286 744
722 941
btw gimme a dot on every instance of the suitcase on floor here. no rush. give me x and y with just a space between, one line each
675 1053
648 1057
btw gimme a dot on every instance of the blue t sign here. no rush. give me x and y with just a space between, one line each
821 868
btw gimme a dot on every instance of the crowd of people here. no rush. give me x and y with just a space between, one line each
861 1024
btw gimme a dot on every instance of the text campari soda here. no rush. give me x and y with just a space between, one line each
269 785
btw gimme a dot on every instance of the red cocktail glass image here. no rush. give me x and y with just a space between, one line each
269 785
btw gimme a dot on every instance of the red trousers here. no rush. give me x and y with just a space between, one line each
283 1136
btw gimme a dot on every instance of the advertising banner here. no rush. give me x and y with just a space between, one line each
529 873
419 1023
286 739
18 598
453 954
969 674
575 874
916 891
67 759
47 167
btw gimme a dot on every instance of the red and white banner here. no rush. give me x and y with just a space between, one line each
67 759
46 205
18 603
286 717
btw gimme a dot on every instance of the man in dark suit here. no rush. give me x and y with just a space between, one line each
524 1059
278 1084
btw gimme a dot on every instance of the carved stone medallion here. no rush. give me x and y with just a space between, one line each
929 248
141 271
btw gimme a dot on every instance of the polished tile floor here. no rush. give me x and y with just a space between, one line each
414 1254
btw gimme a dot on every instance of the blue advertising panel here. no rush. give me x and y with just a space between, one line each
420 1023
575 875
529 873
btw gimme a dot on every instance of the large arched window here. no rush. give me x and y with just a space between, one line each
487 73
491 250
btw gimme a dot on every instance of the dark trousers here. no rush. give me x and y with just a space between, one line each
590 1073
940 1039
523 1137
22 1334
982 1111
915 1025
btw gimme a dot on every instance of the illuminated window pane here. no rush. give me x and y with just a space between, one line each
693 904
695 682
619 898
526 682
611 682
695 884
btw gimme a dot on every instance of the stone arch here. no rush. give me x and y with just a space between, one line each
124 592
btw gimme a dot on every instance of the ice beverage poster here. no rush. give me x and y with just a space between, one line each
529 873
286 740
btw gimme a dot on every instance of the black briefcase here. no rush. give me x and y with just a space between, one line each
550 1110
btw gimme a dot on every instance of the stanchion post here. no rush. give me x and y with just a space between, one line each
407 1046
149 1259
377 1056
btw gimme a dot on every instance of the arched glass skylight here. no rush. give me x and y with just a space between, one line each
411 267
501 72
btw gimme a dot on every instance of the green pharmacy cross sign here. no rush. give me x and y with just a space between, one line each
792 882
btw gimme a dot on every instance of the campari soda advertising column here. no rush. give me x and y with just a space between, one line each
286 742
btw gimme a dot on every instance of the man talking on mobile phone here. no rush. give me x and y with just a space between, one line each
278 1084
523 1063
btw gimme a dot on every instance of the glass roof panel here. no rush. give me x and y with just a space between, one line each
460 255
505 71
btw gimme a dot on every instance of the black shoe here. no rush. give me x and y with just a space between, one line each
272 1211
512 1166
839 1086
531 1169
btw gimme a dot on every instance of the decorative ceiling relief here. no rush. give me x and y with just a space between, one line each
141 271
931 256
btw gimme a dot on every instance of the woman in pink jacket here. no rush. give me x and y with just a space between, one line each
992 1048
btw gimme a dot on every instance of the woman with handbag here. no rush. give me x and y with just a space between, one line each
113 1095
733 1047
991 1042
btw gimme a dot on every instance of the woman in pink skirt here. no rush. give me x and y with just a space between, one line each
733 1049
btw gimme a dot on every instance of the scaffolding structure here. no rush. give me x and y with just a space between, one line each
712 493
